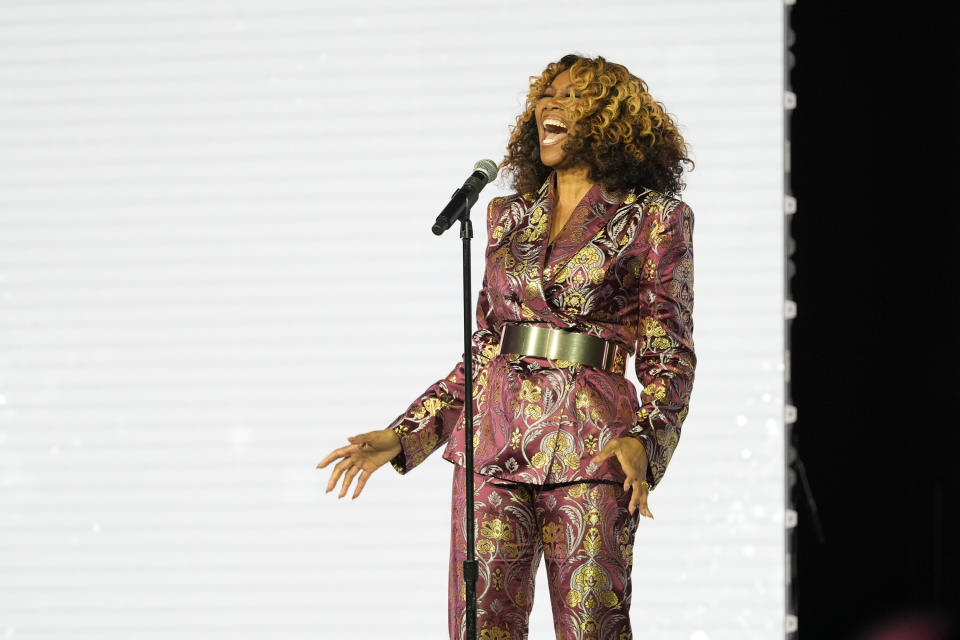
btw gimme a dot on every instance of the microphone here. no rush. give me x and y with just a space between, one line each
465 197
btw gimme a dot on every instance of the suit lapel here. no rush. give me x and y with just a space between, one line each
542 263
527 246
586 224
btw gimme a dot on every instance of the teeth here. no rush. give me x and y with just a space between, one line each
554 122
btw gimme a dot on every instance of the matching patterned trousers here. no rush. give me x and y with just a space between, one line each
584 531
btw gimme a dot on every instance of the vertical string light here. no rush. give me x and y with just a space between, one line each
789 313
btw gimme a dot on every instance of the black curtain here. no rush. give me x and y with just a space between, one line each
874 344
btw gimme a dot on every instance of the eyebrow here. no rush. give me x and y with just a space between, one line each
562 88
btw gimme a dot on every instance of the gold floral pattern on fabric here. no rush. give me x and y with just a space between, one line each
621 269
538 225
496 633
587 536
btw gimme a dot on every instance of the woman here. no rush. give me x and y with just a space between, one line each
589 262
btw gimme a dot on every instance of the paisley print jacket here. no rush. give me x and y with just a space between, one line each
622 269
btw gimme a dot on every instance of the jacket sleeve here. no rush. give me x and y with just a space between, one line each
427 423
665 359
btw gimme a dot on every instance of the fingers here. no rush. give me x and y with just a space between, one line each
606 452
634 480
361 482
627 484
338 470
644 508
336 453
638 497
348 466
356 443
347 479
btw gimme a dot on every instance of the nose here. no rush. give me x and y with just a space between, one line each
549 105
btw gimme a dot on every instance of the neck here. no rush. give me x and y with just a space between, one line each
572 185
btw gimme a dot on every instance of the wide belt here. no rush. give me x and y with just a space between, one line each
569 346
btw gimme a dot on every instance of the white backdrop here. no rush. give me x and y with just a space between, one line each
216 263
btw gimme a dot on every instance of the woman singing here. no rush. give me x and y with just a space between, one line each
588 263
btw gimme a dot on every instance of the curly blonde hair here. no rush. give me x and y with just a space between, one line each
625 137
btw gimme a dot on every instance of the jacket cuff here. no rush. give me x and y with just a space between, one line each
399 461
654 466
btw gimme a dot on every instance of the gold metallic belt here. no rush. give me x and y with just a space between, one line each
557 344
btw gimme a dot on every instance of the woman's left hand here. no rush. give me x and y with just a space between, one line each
633 459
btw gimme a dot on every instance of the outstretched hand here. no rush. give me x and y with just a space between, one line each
366 453
633 459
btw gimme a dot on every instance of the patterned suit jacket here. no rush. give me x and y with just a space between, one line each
622 269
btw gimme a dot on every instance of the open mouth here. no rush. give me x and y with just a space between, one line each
554 130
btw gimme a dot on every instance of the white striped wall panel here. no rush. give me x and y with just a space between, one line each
186 327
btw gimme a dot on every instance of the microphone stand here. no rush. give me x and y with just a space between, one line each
459 209
470 564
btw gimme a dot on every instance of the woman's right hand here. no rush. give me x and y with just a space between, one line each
366 453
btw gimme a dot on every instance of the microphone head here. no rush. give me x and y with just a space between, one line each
488 168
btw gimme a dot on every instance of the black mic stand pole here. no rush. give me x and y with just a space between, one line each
470 564
459 209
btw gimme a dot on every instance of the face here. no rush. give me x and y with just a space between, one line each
553 122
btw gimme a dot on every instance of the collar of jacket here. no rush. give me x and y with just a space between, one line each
530 238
